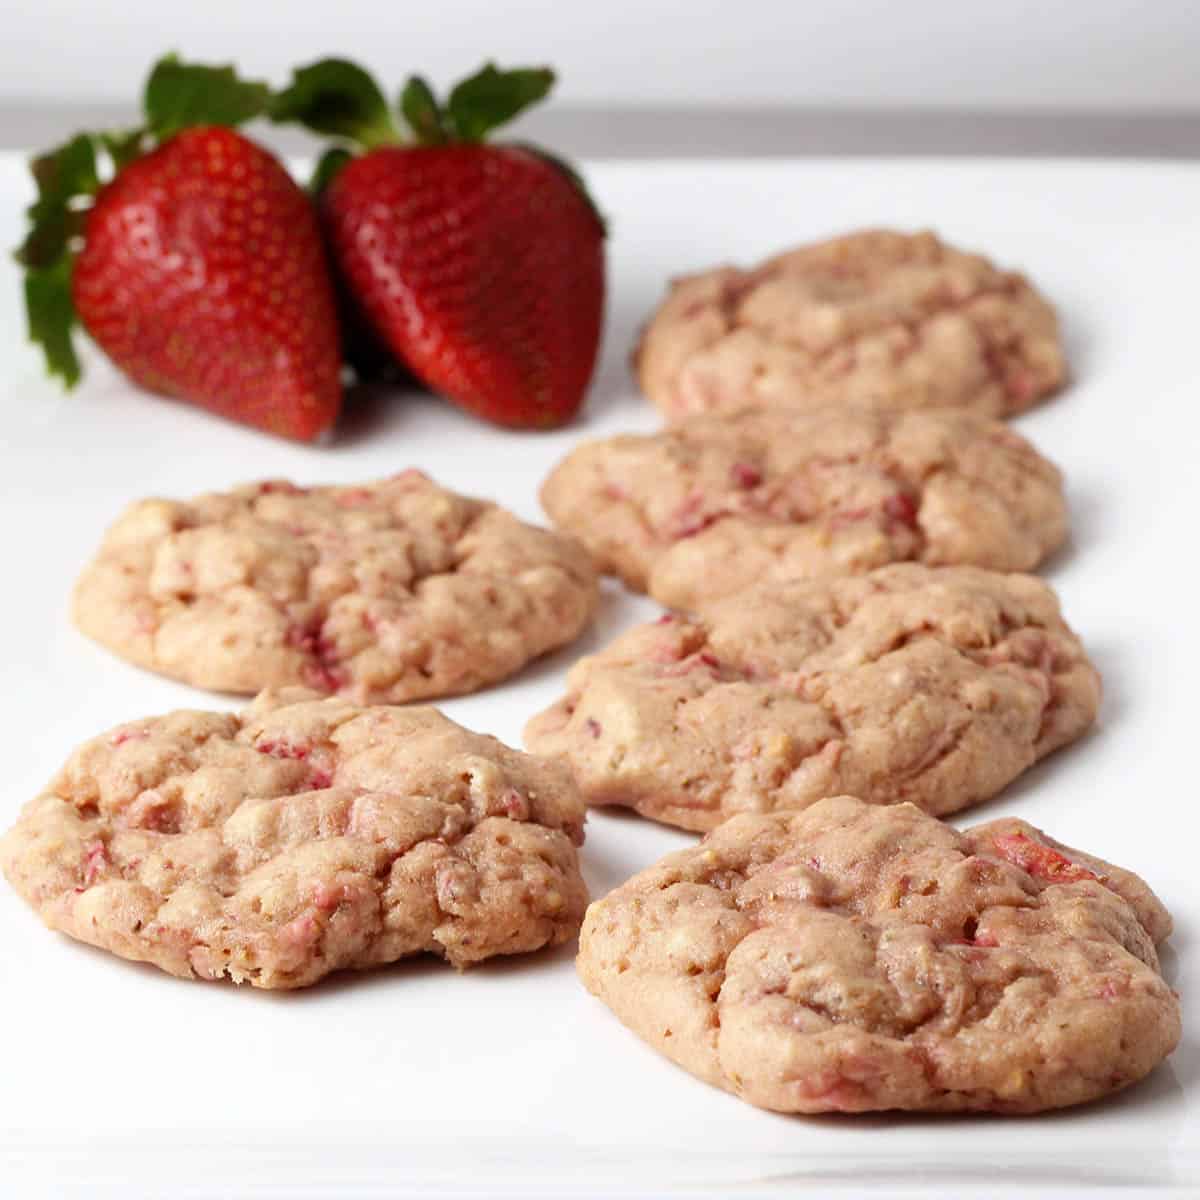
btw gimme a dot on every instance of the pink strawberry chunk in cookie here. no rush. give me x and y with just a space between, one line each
935 685
900 321
301 837
716 504
851 958
392 591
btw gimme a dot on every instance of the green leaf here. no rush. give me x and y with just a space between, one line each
180 94
64 176
491 97
46 241
69 170
422 112
336 97
328 165
50 313
123 145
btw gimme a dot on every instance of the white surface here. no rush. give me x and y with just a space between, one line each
1091 54
118 1080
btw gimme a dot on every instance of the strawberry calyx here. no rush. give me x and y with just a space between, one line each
336 97
177 95
339 99
491 98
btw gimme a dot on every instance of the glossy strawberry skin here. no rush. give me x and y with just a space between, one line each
482 267
203 276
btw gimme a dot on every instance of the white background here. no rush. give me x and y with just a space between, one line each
1069 54
119 1081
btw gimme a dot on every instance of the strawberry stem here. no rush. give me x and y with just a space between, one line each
421 110
124 146
336 97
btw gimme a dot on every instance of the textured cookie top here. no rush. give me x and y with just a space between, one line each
301 837
715 503
936 685
393 591
851 958
895 319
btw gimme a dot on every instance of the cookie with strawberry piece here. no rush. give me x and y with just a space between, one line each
894 319
715 504
935 685
383 592
298 838
852 958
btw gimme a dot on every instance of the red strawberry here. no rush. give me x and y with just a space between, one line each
481 266
1039 860
198 269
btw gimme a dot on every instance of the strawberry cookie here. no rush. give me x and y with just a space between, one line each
851 958
715 503
935 685
392 591
899 320
300 837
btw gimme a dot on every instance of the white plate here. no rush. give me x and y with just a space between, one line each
117 1079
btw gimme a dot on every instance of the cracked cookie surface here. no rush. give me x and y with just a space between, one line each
299 837
900 320
851 958
935 685
398 590
715 503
